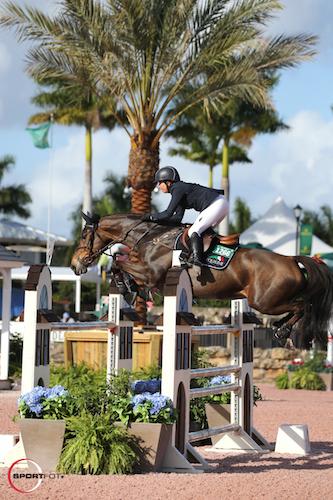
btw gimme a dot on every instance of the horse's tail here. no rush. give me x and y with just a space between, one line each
318 299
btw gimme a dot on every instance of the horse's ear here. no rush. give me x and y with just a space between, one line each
86 217
90 219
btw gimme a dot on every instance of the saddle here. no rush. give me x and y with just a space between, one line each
218 250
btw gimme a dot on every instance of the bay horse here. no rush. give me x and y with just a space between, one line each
273 284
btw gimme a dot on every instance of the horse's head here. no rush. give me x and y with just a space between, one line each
85 253
97 235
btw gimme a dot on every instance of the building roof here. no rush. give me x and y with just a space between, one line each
9 259
12 232
276 230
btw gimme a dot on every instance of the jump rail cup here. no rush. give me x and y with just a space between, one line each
177 373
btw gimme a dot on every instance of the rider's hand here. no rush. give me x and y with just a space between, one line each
147 218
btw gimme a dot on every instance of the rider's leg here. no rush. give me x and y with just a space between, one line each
197 248
209 217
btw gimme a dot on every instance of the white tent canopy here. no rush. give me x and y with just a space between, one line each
276 230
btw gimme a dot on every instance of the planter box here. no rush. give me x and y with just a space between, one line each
217 416
328 380
153 440
42 441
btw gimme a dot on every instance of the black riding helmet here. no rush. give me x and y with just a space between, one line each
167 174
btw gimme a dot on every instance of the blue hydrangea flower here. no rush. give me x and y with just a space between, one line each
151 386
35 398
138 386
56 391
140 399
220 380
157 402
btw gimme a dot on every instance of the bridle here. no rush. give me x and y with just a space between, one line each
93 226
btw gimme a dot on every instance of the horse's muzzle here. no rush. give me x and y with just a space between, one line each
79 268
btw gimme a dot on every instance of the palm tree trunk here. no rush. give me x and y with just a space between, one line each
210 178
224 225
87 188
143 164
141 201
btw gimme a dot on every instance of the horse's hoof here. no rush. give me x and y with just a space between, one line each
290 345
283 333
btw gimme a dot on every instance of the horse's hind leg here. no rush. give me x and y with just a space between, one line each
286 324
277 324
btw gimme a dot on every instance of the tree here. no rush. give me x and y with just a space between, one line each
15 198
75 106
242 217
111 201
322 223
242 121
199 137
145 52
223 133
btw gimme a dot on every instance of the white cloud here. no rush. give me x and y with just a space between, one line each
296 165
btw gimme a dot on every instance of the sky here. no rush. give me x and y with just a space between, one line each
295 164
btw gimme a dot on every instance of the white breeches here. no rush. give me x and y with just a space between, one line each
211 216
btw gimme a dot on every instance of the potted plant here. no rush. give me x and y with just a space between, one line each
42 424
148 417
321 372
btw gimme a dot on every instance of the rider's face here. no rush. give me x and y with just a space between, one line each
163 187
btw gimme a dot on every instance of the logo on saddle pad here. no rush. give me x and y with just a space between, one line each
219 256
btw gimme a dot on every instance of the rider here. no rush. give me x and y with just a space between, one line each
211 204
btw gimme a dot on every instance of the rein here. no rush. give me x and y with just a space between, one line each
122 240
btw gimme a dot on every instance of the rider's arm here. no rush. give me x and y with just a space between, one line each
174 206
178 215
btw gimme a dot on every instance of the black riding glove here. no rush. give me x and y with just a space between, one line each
148 218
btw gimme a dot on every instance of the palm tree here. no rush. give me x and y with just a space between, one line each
75 106
243 218
200 137
13 199
226 132
146 52
241 123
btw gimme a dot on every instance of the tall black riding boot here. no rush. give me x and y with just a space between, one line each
197 249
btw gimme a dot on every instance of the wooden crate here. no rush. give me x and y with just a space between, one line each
88 346
147 348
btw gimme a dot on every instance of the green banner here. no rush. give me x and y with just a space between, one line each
39 135
305 240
